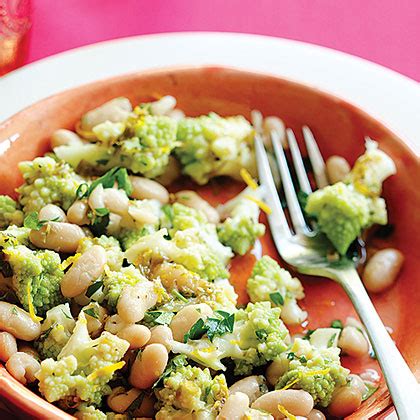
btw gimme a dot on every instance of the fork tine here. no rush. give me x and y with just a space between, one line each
277 219
304 184
317 162
296 215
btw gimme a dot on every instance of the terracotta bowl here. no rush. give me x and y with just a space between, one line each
340 129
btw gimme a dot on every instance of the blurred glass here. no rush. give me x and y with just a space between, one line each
15 22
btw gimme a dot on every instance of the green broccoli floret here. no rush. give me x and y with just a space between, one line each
114 254
258 336
179 217
55 331
10 214
342 213
84 366
214 146
371 169
47 181
241 229
89 412
143 146
36 278
114 282
191 392
13 236
315 370
270 282
195 249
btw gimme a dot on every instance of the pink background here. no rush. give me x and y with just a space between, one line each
384 31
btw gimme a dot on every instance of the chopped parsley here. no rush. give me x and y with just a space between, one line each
277 298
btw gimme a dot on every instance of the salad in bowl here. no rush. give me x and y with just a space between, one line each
116 299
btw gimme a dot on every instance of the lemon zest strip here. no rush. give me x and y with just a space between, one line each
106 370
283 411
264 207
31 305
69 261
246 176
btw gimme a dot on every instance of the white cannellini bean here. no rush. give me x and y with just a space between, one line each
337 169
63 137
235 407
114 224
251 386
137 335
382 269
353 342
115 110
135 300
183 321
120 399
163 106
25 348
144 188
192 199
276 369
345 401
147 368
96 198
23 367
52 212
60 237
78 213
18 322
176 114
315 415
161 334
143 215
296 402
8 346
84 271
116 201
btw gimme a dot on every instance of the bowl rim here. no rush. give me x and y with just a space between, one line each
10 389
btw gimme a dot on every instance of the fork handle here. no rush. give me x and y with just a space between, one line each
402 384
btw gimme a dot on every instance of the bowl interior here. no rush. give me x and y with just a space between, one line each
339 129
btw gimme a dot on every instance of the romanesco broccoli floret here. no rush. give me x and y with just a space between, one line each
191 392
36 278
84 366
258 336
114 282
10 214
141 144
342 213
270 282
89 412
371 169
47 181
214 146
193 248
55 331
241 229
179 217
315 370
129 237
13 236
114 254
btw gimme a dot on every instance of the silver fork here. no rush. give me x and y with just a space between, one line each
307 251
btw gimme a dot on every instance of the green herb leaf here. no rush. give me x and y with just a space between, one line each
302 359
66 315
277 298
158 317
118 175
178 295
32 221
93 288
219 327
135 404
196 331
337 324
99 225
82 191
123 181
261 334
308 334
176 362
102 161
290 356
101 211
91 312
